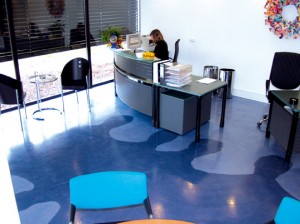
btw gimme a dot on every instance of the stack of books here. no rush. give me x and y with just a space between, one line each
178 75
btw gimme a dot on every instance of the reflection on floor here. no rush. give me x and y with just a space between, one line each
234 175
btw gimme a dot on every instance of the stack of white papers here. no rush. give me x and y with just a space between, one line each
178 75
206 80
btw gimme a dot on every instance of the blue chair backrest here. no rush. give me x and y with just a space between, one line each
285 71
288 212
105 190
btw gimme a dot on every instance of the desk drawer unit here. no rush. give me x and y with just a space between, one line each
178 111
280 127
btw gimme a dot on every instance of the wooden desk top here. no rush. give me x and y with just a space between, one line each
156 221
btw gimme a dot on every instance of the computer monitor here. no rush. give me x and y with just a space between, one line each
133 41
147 43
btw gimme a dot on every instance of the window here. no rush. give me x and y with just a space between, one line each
47 26
52 32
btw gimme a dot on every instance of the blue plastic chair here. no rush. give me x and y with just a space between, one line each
109 190
288 212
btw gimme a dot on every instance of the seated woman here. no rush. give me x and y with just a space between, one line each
161 48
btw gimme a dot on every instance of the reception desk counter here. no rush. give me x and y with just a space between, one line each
192 103
133 81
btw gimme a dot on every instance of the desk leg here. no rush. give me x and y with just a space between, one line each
115 83
157 108
270 118
293 130
223 106
154 93
198 119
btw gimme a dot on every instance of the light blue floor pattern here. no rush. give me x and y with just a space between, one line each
234 175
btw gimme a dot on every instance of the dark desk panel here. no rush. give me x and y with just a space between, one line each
283 121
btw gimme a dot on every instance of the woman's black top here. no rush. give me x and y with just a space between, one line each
161 50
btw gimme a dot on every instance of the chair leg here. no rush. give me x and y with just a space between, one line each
88 92
148 208
72 214
17 96
265 118
77 96
62 98
24 105
88 99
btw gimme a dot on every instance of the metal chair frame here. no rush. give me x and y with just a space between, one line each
17 86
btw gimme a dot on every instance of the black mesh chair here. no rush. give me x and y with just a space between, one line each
11 92
285 74
174 59
75 76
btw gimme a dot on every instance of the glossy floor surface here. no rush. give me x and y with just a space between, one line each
234 175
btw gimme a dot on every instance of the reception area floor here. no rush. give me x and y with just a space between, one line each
234 175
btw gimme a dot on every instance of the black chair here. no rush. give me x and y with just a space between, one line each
11 92
285 74
75 76
174 59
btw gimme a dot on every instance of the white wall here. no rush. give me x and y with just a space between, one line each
227 33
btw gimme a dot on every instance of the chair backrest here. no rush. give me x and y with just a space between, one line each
106 190
176 51
74 73
288 211
8 87
285 71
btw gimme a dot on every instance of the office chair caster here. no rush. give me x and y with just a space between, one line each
265 118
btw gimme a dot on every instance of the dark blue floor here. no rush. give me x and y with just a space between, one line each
234 175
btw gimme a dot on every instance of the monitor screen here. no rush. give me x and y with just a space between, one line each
133 41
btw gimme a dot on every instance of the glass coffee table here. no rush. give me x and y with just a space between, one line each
38 80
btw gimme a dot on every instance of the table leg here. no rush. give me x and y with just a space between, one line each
154 105
268 133
39 102
115 83
38 96
292 136
223 106
198 119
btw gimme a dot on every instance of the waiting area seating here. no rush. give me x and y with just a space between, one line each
75 76
11 92
109 190
288 212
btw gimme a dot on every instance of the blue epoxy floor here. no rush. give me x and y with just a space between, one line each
234 175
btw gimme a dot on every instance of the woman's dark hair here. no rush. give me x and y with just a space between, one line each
157 35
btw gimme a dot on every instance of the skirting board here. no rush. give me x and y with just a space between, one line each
249 95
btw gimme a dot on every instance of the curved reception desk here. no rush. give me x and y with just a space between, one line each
133 81
176 109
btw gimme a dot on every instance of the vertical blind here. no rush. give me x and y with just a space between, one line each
46 26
